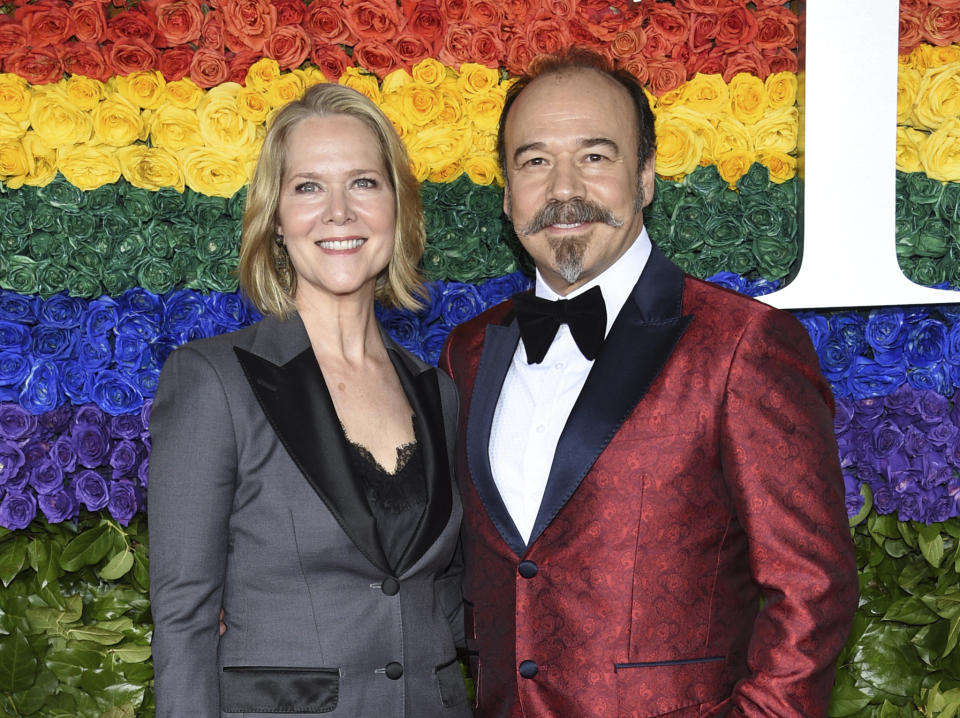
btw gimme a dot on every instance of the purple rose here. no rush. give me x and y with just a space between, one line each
63 453
126 426
145 412
123 458
17 510
47 477
943 434
884 500
904 399
936 471
57 421
886 438
853 499
843 415
58 506
90 414
91 490
869 412
123 500
11 461
912 504
91 444
16 422
933 407
915 442
143 472
941 509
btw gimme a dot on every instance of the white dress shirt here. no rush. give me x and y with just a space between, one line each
536 399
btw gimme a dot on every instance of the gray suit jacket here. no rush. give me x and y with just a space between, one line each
252 507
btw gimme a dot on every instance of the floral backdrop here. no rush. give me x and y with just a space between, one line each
128 131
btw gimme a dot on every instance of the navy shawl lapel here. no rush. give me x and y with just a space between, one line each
638 345
499 345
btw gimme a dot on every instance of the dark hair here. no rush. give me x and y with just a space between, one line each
578 58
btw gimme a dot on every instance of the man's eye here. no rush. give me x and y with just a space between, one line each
595 157
534 162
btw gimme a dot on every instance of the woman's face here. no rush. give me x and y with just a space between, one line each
336 212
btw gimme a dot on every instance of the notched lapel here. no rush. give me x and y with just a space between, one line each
295 399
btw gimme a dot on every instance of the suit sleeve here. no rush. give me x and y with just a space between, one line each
780 463
193 468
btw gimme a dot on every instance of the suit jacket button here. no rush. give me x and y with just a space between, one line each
528 569
390 586
394 670
528 669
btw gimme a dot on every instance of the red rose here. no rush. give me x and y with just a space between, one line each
486 48
324 24
179 21
519 55
11 38
680 53
38 66
628 42
559 8
547 35
601 18
331 59
941 26
247 23
706 63
208 68
745 59
455 10
914 7
289 46
89 21
411 48
44 24
425 20
776 27
910 32
456 46
289 12
377 57
83 58
581 33
175 63
737 27
371 20
781 59
703 28
211 32
665 75
132 25
637 66
126 56
238 65
668 22
485 14
656 45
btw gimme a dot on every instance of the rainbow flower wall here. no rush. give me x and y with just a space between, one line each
129 130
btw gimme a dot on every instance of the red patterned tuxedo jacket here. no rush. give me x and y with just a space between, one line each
691 556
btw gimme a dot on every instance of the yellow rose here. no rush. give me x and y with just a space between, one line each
14 97
262 74
42 158
89 166
431 72
84 92
940 154
14 164
252 105
777 130
909 141
734 164
392 108
781 89
221 124
312 76
668 100
732 135
362 82
908 82
183 93
145 89
748 97
11 129
56 119
213 172
679 148
476 78
484 108
781 165
651 99
117 122
700 125
445 172
483 143
482 169
419 104
935 56
150 167
287 88
394 82
705 93
914 59
440 149
175 128
938 96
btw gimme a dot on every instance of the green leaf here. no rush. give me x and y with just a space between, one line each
886 659
129 652
95 634
18 665
124 711
846 699
910 610
87 548
141 570
44 555
867 493
117 566
70 661
13 557
883 526
36 696
931 546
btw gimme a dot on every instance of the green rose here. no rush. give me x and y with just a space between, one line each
88 260
740 259
159 238
786 194
46 245
139 204
51 277
215 242
709 262
666 195
687 232
468 268
455 193
185 266
15 218
62 195
907 233
705 181
920 189
155 274
501 260
80 225
687 261
117 279
756 182
486 202
21 275
128 251
83 283
219 276
237 203
933 238
723 231
11 244
430 193
463 220
115 224
948 206
775 255
45 217
205 210
102 199
434 262
490 231
924 270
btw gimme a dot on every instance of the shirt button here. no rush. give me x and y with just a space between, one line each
393 670
558 365
541 428
528 669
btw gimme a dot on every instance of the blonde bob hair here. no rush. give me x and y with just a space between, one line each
272 292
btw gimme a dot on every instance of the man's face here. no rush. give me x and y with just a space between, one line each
571 170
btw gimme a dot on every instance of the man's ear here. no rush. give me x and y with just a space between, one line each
647 176
506 199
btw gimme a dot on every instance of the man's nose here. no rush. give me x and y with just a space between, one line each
565 182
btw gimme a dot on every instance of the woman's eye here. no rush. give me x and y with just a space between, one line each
365 183
305 187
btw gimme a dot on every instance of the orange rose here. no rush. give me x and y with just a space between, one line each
208 68
37 66
781 59
251 22
702 6
411 48
132 25
11 38
602 19
910 35
373 20
289 12
484 13
179 21
628 42
238 65
289 46
377 57
519 55
547 35
454 10
89 21
706 63
657 46
665 75
425 21
776 27
331 59
83 58
703 28
211 32
668 22
44 24
175 62
486 48
126 56
456 46
324 23
637 66
941 26
736 27
746 59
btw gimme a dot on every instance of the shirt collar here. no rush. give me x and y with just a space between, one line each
615 282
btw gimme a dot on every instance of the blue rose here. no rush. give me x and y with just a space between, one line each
16 422
123 501
75 380
41 391
729 280
58 506
101 317
129 351
14 368
62 311
836 360
17 510
403 326
53 342
460 302
115 394
14 337
230 311
925 343
11 461
124 458
161 349
433 342
17 308
47 477
91 489
146 380
91 443
816 326
866 378
95 352
140 302
495 290
934 377
182 309
886 333
849 328
139 326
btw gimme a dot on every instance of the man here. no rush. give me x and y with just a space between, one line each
654 518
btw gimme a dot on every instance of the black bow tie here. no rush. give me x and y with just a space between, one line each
539 320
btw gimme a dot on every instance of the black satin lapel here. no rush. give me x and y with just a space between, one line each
499 345
296 401
423 393
641 340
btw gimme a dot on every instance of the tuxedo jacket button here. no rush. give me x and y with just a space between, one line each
528 669
394 670
527 569
390 586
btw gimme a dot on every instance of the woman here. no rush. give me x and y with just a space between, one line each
300 470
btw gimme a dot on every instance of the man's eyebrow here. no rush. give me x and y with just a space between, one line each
584 143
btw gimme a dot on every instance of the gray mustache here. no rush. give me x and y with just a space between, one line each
573 211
